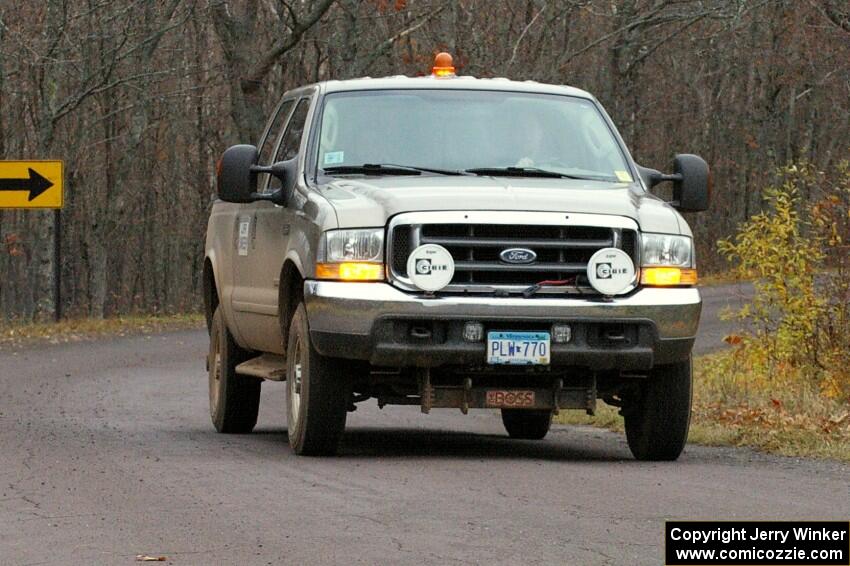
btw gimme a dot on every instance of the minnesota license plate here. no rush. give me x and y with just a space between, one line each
518 348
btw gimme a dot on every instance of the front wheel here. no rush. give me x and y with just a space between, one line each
658 417
526 424
318 393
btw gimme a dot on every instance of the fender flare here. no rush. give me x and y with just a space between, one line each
287 299
210 287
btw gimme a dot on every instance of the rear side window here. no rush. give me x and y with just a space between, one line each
267 145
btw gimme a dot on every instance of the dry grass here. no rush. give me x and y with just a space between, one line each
75 330
791 418
726 277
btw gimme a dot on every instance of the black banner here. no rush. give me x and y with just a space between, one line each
757 543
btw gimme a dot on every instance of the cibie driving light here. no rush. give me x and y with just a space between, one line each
443 65
352 255
667 260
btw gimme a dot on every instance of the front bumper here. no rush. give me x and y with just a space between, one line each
388 327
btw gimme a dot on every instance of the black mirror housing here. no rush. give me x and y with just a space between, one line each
286 172
692 191
692 182
290 174
237 182
651 177
237 176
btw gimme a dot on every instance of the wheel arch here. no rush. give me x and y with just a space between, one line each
210 291
290 293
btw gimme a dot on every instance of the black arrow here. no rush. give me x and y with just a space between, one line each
36 184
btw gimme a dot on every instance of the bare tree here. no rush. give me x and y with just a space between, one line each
140 98
246 64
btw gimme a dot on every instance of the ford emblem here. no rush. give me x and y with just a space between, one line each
518 255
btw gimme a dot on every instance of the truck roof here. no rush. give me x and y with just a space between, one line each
462 82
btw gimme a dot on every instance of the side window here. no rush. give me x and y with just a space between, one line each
292 138
267 146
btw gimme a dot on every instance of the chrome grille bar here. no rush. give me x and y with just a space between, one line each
538 243
552 267
563 245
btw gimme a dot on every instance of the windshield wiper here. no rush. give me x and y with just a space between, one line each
524 172
436 170
370 169
387 169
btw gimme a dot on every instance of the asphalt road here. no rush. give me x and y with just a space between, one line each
107 452
715 300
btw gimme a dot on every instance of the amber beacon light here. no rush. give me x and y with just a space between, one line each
443 65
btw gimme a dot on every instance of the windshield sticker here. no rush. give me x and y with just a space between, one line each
334 157
623 176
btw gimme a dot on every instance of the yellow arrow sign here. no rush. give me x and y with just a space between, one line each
31 184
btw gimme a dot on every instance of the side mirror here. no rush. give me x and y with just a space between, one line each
651 177
691 180
235 178
692 193
286 172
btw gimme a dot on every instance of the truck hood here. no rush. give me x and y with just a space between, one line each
367 202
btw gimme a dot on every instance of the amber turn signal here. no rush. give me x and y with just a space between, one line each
350 271
668 276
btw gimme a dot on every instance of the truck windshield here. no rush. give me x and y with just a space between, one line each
482 132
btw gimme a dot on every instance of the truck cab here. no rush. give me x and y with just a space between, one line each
451 242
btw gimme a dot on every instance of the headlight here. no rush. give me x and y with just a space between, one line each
352 255
667 250
353 245
667 260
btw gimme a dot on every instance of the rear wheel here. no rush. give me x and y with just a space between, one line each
234 399
318 393
658 418
526 424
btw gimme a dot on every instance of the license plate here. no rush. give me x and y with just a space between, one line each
510 399
518 348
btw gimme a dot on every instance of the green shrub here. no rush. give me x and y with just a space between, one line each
796 253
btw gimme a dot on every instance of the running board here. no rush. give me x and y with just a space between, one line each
267 366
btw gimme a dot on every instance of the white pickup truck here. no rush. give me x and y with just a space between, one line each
451 242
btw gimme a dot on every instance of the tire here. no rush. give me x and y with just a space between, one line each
526 424
318 392
234 399
658 418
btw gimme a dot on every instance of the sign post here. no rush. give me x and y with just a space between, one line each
38 184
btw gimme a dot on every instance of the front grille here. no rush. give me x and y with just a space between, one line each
562 253
402 246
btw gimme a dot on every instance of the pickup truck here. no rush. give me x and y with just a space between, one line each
451 242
